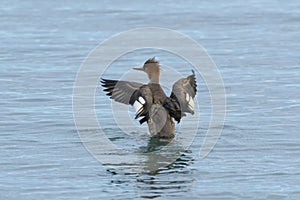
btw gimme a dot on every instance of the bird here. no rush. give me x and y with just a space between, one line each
151 103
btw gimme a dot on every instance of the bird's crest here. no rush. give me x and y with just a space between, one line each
152 60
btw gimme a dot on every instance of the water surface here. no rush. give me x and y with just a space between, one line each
255 46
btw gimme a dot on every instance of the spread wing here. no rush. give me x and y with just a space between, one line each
120 91
130 93
142 101
182 97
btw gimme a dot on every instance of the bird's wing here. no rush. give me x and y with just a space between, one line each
120 91
142 100
133 93
182 97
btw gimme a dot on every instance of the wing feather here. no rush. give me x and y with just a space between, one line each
120 91
182 97
130 93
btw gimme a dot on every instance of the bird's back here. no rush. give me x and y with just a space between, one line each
158 94
160 122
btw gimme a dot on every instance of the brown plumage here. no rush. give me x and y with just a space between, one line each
151 102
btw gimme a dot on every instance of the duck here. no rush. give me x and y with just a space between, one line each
151 104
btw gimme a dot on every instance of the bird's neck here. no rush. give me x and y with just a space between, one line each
154 79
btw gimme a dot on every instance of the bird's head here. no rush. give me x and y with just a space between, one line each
152 68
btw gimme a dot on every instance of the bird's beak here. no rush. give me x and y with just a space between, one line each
138 68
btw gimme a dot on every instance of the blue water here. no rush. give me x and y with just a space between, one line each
256 48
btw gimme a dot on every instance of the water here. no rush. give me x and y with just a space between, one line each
255 46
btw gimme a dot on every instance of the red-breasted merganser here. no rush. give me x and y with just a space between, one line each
150 101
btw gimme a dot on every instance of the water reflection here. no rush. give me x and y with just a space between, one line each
161 154
172 179
156 144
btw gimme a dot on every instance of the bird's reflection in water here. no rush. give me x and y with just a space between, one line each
156 144
167 182
165 171
161 154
